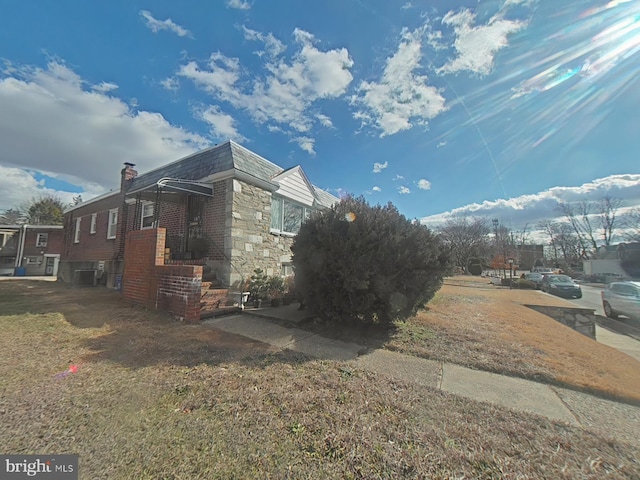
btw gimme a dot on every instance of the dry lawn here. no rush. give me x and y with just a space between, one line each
154 399
477 325
488 328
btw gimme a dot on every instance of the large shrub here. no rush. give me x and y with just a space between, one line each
368 263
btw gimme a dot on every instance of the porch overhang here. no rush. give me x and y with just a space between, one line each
172 190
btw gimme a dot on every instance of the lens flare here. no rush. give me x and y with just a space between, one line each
350 217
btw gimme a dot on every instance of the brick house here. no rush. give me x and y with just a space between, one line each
30 249
225 210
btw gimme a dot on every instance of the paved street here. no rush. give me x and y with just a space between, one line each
590 299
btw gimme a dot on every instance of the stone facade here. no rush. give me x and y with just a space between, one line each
248 242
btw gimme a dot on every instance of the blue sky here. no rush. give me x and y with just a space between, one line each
497 108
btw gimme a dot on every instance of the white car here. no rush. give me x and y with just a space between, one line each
542 270
622 298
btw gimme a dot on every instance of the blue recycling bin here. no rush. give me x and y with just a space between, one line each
118 283
20 272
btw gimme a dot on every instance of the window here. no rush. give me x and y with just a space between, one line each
94 217
287 269
112 226
286 216
76 236
33 260
147 216
41 240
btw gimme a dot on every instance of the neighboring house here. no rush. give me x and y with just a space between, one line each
30 249
225 208
621 259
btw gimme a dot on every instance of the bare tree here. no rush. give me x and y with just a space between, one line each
466 239
631 224
12 216
578 216
608 207
550 228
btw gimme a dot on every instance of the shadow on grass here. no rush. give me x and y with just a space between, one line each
129 335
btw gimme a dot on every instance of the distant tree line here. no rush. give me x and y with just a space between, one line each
46 209
575 233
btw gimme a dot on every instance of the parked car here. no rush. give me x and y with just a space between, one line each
536 278
604 277
561 286
621 298
542 270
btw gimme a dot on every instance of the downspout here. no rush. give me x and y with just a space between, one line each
23 238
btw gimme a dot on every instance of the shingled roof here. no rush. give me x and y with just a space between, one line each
225 157
221 158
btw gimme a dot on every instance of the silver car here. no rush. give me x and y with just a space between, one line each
622 298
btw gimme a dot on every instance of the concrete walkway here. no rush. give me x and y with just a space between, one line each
622 343
609 417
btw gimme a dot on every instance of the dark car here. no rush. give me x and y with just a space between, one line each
561 285
535 278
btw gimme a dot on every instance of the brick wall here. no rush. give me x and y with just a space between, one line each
55 240
147 281
92 246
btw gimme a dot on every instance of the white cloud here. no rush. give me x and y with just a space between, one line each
398 177
424 184
435 40
172 84
378 167
19 186
273 46
403 190
530 209
223 126
286 93
104 87
376 189
306 144
324 120
406 6
238 4
82 134
402 96
441 144
156 25
524 3
477 45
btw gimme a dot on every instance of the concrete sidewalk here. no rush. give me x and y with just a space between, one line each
609 417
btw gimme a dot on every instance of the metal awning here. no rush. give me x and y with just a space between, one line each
172 189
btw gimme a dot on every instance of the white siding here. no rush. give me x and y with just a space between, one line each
294 187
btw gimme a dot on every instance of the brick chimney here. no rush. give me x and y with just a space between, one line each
127 175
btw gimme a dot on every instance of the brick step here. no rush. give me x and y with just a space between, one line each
214 298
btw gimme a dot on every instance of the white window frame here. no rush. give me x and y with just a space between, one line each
39 239
143 216
306 211
94 220
33 260
76 235
112 224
